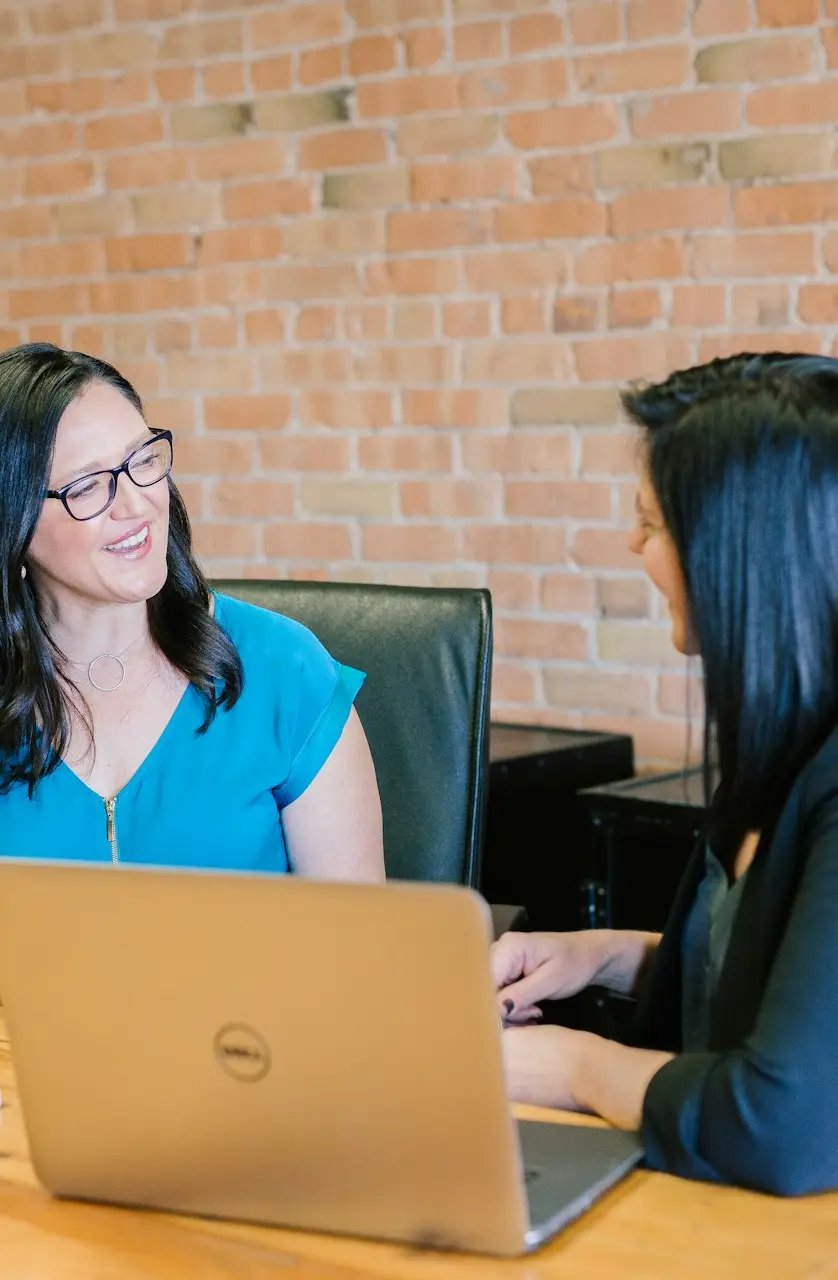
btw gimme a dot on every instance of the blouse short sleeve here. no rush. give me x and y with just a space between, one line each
291 680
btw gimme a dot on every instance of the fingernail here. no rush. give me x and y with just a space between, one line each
508 1007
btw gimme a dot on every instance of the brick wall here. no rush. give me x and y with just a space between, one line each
381 263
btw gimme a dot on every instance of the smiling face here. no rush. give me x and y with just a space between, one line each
119 556
650 539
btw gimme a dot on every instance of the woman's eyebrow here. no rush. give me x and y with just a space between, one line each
96 465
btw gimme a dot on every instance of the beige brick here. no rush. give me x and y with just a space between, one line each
592 690
349 497
367 188
635 644
771 58
623 598
776 156
620 167
213 120
573 407
295 112
107 215
192 205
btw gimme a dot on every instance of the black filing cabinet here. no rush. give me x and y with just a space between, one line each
635 839
530 852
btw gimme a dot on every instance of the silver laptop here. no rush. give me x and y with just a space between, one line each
312 1055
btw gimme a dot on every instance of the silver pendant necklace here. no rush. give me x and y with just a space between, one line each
105 658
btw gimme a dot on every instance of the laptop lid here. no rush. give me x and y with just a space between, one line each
322 1056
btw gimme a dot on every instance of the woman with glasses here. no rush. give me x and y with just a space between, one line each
144 719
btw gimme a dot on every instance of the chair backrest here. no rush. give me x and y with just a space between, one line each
427 653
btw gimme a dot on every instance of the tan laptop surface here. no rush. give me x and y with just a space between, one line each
323 1056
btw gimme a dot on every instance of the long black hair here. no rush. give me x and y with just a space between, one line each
743 458
37 383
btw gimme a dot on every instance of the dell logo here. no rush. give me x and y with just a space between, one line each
242 1052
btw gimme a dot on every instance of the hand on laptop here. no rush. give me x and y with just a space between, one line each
529 967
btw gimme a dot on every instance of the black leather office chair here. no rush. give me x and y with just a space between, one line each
427 653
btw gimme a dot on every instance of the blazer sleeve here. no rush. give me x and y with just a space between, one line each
765 1115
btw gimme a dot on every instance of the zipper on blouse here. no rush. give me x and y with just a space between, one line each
110 810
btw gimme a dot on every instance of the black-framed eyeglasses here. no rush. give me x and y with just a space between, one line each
90 495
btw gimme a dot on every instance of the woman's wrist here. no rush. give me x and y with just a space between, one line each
626 956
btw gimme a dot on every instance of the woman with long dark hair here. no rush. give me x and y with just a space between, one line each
144 719
733 1071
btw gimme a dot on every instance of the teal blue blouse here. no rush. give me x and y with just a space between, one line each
212 800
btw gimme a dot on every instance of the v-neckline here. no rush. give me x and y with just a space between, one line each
144 763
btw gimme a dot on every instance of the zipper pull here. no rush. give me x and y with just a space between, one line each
110 810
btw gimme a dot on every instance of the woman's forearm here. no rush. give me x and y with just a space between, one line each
627 958
611 1080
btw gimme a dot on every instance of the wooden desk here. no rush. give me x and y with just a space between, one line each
650 1228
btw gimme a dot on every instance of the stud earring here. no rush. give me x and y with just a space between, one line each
22 572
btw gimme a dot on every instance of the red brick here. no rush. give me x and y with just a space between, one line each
366 322
526 81
414 276
411 544
715 346
217 372
423 229
818 304
225 80
609 453
311 366
149 253
761 304
576 313
467 180
698 306
311 22
525 314
424 47
54 300
655 258
119 133
286 452
578 218
567 593
721 17
243 244
394 97
535 31
692 114
566 126
347 408
512 683
59 178
562 175
513 588
652 19
626 71
624 358
596 23
554 500
670 209
225 541
510 361
262 328
595 548
407 365
788 204
37 140
342 149
372 56
511 544
784 106
417 452
393 13
464 408
272 75
787 13
147 169
540 453
513 270
829 40
82 258
176 84
308 541
321 66
444 499
287 282
172 335
275 197
34 220
478 41
467 319
754 254
201 455
633 308
541 638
